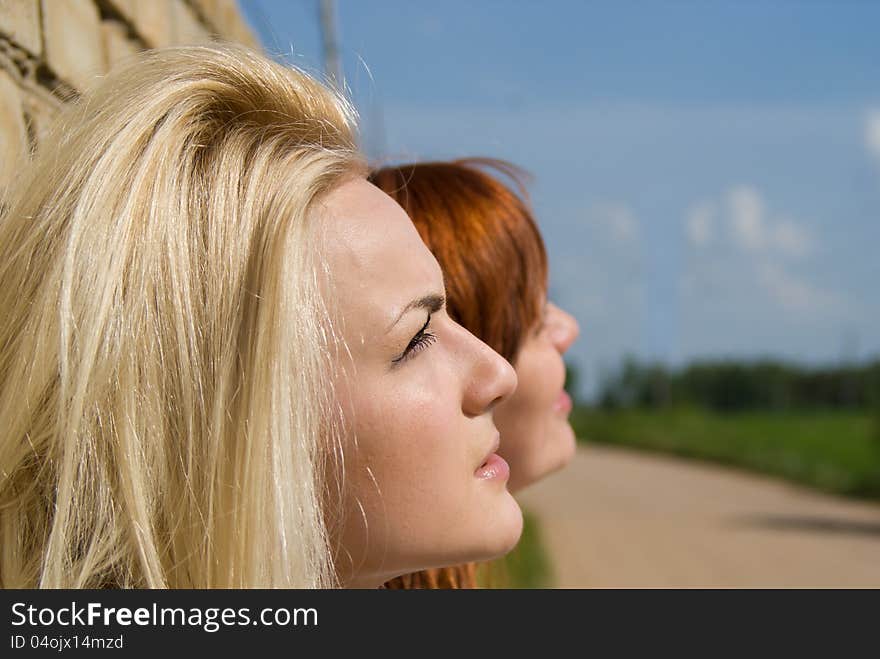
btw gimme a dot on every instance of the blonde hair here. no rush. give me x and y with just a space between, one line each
164 390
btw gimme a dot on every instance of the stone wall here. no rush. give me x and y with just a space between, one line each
50 50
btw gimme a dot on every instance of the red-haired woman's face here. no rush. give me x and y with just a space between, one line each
536 437
423 486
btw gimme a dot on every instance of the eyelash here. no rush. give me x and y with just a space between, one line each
418 343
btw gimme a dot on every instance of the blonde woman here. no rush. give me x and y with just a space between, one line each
225 359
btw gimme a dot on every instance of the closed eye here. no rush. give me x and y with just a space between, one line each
419 342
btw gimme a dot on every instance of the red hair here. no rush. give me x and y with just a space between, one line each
493 258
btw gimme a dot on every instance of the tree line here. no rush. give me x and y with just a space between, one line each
728 385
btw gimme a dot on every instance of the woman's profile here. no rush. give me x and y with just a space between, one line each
225 358
490 248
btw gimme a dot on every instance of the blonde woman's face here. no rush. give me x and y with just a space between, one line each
536 437
423 484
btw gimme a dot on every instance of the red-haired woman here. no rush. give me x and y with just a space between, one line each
493 258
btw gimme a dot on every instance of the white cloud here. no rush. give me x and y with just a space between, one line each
745 208
791 292
699 224
752 262
749 225
872 133
617 221
791 238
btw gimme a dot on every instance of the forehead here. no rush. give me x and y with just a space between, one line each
378 263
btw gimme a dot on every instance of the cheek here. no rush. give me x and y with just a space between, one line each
541 375
405 435
522 419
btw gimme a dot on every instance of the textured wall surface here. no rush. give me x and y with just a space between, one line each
50 50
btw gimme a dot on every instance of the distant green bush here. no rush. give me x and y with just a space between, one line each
730 385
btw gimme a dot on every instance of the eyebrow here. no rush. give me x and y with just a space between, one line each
431 303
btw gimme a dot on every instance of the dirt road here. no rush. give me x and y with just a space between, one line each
620 518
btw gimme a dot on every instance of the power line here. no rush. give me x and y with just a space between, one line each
330 41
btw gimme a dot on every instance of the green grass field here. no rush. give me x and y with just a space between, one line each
836 451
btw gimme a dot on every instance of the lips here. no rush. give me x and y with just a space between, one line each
563 403
493 467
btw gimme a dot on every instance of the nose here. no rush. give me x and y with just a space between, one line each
564 328
490 379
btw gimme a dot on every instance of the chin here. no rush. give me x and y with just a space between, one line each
503 530
555 455
511 538
563 455
567 446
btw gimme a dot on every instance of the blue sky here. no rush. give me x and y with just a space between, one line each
706 174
